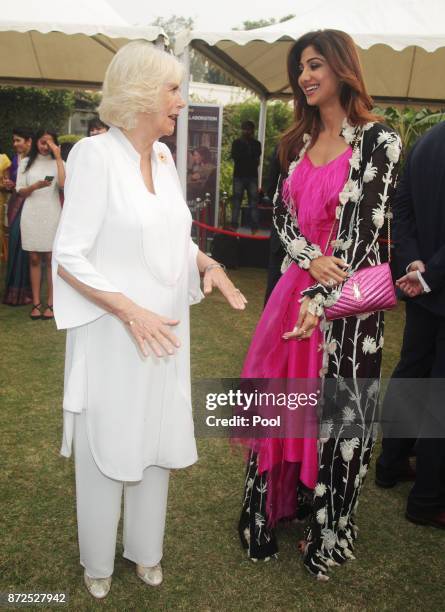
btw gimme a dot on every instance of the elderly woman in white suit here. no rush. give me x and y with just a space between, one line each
125 271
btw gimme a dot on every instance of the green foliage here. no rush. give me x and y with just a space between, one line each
32 107
71 138
251 24
410 123
200 68
86 100
279 117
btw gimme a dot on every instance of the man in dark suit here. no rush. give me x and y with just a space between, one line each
246 154
419 235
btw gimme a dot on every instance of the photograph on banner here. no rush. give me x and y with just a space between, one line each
203 156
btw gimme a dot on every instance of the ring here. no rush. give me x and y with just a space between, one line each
331 282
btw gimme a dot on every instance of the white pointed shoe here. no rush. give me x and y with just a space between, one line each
150 575
97 587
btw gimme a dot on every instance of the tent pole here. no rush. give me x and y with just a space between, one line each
182 125
262 136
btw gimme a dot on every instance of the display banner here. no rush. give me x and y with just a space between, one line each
203 157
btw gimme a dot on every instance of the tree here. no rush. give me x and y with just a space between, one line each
200 69
279 118
34 108
250 24
410 123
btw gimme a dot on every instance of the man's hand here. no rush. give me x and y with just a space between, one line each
410 283
417 265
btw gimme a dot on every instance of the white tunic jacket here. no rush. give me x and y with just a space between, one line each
116 236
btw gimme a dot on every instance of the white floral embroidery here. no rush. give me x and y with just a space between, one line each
354 160
369 345
321 516
348 554
347 448
320 489
315 305
381 342
337 244
331 347
346 244
356 191
384 136
363 317
363 471
357 482
378 217
374 388
348 131
297 246
342 522
370 172
329 539
393 152
348 414
343 543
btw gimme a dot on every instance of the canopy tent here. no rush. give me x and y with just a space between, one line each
401 45
64 44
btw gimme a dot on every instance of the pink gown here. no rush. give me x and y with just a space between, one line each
314 191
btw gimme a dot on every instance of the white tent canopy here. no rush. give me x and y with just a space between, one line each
401 44
65 43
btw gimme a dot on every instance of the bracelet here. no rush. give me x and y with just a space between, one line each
214 265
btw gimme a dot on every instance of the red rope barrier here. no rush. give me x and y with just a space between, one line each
219 230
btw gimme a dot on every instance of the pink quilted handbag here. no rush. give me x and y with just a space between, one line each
367 290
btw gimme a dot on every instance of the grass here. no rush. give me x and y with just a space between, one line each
399 566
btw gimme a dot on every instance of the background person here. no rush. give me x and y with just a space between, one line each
96 127
419 235
127 399
341 168
17 282
5 164
40 179
246 154
201 169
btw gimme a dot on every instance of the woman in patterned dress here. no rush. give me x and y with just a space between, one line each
339 168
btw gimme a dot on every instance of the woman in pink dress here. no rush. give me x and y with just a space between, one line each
338 176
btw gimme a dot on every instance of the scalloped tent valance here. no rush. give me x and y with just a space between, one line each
401 45
67 43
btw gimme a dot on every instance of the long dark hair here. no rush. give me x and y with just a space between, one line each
341 54
23 132
34 151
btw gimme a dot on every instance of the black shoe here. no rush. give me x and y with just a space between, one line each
388 479
432 519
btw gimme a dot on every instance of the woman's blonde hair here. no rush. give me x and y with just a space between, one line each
133 82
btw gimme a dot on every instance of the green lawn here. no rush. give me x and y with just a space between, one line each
399 566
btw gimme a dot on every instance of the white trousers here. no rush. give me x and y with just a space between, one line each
99 507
